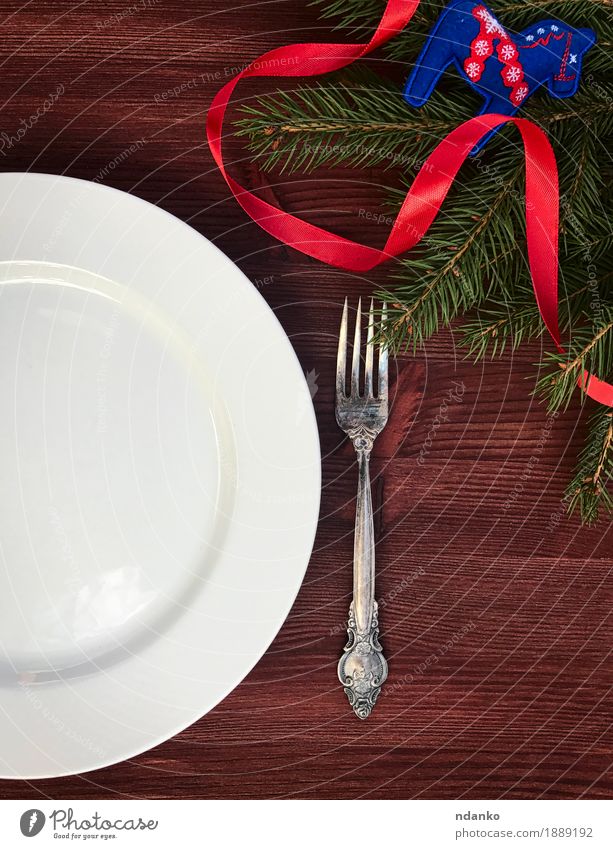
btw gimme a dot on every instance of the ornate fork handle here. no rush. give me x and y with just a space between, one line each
362 669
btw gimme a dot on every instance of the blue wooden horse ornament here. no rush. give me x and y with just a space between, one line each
505 70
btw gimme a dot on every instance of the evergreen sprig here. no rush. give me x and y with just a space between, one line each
353 120
591 350
589 492
473 260
467 255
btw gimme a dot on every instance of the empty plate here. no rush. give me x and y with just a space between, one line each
159 475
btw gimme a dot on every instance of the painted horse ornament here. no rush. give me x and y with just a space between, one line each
505 70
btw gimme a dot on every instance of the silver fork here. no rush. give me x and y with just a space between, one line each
362 669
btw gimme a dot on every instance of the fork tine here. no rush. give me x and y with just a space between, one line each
383 360
341 357
355 362
368 381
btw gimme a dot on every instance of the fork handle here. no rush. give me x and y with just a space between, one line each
362 669
363 542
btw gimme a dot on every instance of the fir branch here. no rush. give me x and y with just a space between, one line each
516 325
354 119
591 350
448 285
516 320
359 117
589 491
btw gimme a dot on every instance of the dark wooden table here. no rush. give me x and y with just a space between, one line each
496 616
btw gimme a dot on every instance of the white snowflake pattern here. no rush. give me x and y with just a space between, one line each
473 69
554 28
520 93
513 74
492 25
540 31
507 52
482 47
529 38
573 59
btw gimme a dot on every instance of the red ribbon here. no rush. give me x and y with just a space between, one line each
426 195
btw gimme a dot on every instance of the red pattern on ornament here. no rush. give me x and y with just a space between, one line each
542 41
482 47
562 75
545 41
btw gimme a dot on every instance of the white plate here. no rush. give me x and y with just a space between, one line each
159 476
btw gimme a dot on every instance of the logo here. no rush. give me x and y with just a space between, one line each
303 405
32 822
311 379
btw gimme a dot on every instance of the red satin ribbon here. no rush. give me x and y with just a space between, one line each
426 195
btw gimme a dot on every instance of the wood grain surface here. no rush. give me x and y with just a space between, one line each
495 607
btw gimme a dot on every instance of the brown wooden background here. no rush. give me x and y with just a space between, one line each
497 617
